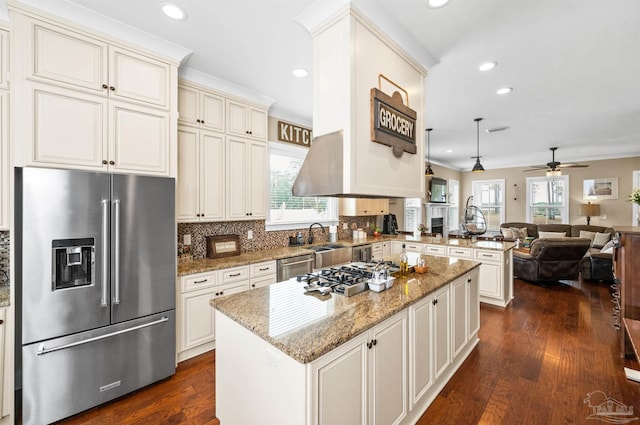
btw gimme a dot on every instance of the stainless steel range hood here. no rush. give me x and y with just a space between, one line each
321 173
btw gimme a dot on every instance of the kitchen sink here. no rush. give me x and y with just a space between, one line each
331 254
327 247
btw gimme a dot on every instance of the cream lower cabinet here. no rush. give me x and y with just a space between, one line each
465 314
246 179
262 274
196 317
372 370
496 276
437 250
200 191
5 398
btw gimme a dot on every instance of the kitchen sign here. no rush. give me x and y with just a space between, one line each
392 122
294 134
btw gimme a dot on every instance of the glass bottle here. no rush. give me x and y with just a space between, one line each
404 262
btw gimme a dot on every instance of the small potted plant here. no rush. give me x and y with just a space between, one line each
422 228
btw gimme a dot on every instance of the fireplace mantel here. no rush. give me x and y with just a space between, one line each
437 210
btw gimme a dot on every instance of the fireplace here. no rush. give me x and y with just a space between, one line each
437 225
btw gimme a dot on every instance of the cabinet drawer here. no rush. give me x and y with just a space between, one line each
231 288
259 282
235 274
413 247
488 255
198 281
263 269
435 250
460 252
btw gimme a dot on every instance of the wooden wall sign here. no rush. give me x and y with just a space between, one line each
294 134
392 122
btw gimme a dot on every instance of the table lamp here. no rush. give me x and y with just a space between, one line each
589 210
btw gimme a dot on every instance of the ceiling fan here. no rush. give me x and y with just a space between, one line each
555 166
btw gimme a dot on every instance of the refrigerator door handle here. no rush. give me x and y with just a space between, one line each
116 242
42 350
105 252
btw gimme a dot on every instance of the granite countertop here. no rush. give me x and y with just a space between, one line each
202 265
5 292
307 325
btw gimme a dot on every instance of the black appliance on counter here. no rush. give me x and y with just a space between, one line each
390 224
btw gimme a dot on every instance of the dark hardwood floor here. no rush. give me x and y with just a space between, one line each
536 363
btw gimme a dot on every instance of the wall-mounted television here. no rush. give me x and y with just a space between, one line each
438 190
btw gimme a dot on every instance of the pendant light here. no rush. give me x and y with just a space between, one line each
428 171
477 167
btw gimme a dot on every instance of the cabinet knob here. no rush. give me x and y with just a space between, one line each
468 280
221 292
369 345
375 341
112 88
104 161
434 302
112 162
201 121
253 285
104 86
197 120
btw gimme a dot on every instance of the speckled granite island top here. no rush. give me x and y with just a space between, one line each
307 325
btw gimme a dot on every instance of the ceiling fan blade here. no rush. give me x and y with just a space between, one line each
571 165
535 169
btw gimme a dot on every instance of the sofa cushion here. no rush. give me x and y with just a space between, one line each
518 233
550 235
506 233
577 228
532 229
555 227
587 234
608 248
601 239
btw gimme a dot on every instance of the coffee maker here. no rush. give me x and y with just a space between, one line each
390 224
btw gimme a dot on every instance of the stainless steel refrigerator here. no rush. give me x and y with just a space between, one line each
95 290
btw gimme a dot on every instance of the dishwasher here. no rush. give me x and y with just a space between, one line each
294 266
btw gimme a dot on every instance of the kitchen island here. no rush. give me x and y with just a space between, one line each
284 356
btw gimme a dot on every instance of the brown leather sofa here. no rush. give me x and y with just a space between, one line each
595 265
551 259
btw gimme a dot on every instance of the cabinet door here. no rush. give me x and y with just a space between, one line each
386 249
490 280
236 165
389 371
135 77
259 282
396 247
237 118
258 124
4 391
139 139
474 305
66 58
380 206
211 171
257 195
4 59
231 288
4 160
342 372
441 321
188 105
198 316
420 376
188 189
212 113
459 303
54 111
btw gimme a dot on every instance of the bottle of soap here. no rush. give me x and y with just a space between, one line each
404 262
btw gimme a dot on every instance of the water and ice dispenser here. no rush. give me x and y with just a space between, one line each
73 263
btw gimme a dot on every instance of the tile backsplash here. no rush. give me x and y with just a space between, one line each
4 255
261 238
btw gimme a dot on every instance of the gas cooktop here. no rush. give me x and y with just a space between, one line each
347 280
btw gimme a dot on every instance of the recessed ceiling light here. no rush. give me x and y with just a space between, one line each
300 72
173 11
434 4
504 90
448 151
487 66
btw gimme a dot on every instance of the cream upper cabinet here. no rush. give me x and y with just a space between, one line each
200 192
82 62
363 206
4 58
246 120
4 160
82 102
246 179
201 108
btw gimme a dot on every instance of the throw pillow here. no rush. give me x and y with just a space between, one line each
519 233
552 235
608 248
601 240
506 233
587 235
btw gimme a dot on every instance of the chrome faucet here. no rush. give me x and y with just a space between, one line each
311 234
